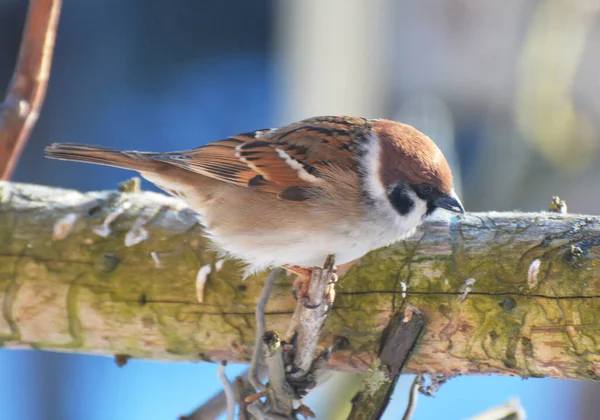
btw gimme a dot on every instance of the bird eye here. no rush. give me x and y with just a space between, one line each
425 189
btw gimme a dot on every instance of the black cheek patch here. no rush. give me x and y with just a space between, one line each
400 200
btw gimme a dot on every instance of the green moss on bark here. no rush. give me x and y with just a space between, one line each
488 309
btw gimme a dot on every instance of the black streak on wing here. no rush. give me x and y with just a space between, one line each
295 194
257 181
253 144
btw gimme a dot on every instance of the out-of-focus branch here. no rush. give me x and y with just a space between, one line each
261 328
116 273
25 94
229 390
217 404
511 410
398 341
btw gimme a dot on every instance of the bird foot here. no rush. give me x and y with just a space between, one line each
301 284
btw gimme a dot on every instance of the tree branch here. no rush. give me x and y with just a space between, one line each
115 273
20 109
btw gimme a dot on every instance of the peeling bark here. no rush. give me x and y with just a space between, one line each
115 273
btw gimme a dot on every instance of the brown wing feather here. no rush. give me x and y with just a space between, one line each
285 161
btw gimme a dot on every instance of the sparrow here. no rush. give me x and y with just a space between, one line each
293 195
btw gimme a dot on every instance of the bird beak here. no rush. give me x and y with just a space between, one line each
450 202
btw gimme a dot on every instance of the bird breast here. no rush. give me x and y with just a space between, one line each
266 231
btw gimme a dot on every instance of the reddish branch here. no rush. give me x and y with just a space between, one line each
25 95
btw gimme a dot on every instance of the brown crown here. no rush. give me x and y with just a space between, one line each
410 155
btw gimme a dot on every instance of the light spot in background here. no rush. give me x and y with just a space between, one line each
545 111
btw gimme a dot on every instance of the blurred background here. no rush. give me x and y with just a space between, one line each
510 90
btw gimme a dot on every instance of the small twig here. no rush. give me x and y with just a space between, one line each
434 385
25 94
305 412
293 326
228 388
255 396
413 395
558 206
256 410
279 398
131 185
312 317
243 389
217 404
511 410
121 359
400 338
261 328
398 341
292 368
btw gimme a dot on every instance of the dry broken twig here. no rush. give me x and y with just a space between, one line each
217 404
259 316
511 410
312 317
413 395
398 341
293 367
279 395
25 94
228 389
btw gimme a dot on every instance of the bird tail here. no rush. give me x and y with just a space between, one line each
137 161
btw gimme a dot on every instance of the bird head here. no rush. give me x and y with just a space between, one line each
412 170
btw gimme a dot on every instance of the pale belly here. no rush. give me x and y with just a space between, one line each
308 250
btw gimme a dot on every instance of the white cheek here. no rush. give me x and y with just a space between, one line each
405 225
371 168
389 226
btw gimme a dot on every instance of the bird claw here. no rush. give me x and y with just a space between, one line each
301 284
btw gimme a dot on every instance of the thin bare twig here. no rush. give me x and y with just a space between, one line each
217 404
256 410
27 89
279 397
261 328
244 389
398 341
312 317
434 384
511 410
293 326
413 395
228 389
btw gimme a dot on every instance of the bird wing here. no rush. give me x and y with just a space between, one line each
287 161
